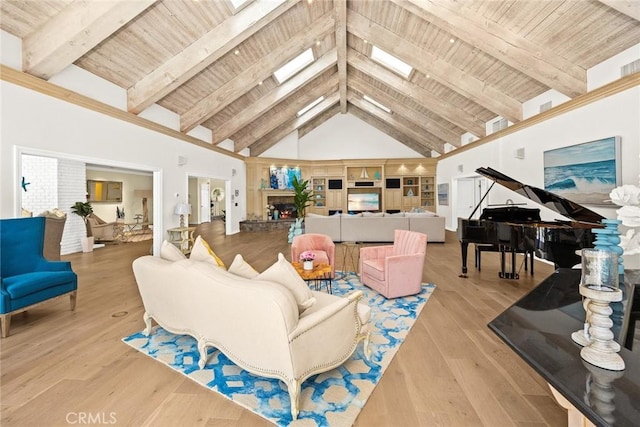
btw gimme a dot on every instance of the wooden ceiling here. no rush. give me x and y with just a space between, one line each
473 60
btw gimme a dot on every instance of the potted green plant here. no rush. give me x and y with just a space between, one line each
301 197
83 210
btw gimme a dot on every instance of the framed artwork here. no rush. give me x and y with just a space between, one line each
584 173
443 194
281 178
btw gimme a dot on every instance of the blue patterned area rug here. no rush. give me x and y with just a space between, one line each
333 398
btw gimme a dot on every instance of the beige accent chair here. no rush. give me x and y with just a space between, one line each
53 230
101 230
254 322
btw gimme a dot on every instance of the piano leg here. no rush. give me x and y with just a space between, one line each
464 246
503 274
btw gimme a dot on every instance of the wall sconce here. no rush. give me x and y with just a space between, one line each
182 209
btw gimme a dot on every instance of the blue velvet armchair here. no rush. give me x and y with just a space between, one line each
28 279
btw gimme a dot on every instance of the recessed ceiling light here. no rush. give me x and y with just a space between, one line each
237 52
452 40
317 42
260 82
366 41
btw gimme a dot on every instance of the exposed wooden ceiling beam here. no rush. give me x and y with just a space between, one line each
427 99
389 130
203 52
418 119
318 120
628 7
249 78
265 103
341 46
286 128
77 29
391 120
529 58
271 121
437 68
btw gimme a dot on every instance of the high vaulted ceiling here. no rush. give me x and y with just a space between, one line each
473 60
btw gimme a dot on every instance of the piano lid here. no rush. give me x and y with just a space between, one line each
552 201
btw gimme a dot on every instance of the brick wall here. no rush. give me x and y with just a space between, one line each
42 192
72 187
56 183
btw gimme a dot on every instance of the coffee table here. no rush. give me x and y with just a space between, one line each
322 273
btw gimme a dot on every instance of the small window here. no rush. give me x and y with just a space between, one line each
285 72
377 104
310 106
391 62
239 4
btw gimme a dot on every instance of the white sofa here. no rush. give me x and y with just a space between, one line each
376 227
256 323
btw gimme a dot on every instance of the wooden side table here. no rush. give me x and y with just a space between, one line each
350 256
321 274
182 238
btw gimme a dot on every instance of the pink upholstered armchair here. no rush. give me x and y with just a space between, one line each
395 270
319 244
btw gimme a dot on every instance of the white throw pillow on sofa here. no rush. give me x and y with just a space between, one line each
241 268
170 252
201 251
284 273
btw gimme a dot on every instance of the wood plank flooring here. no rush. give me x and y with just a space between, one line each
451 370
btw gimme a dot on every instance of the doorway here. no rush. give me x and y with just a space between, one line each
468 195
66 184
207 197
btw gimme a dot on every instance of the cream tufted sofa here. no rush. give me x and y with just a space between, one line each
256 323
375 227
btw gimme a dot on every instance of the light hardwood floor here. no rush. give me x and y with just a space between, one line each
451 370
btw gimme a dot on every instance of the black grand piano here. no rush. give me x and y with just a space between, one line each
515 229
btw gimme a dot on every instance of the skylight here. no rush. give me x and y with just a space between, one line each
285 72
310 106
391 62
377 104
239 4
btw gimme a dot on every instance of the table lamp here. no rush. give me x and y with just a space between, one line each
182 209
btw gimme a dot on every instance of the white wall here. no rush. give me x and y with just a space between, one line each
616 115
344 136
37 124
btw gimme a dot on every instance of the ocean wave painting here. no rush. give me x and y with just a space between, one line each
584 173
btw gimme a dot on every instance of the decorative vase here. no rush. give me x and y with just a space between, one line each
276 214
87 244
307 265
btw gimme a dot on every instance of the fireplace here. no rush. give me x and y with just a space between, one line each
282 200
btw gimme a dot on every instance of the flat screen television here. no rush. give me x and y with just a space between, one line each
335 184
392 183
359 202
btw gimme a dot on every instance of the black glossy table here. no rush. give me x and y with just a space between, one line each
538 328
